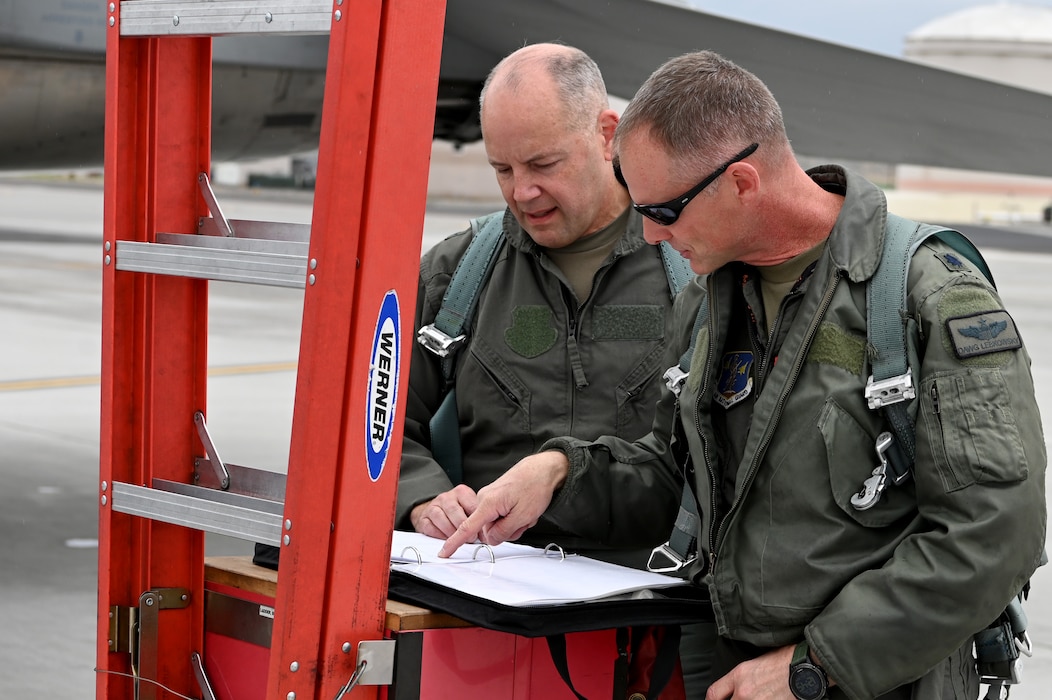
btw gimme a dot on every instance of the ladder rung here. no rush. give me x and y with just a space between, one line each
275 263
218 17
253 519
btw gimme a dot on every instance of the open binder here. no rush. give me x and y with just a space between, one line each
537 592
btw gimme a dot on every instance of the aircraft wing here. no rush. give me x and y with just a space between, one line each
838 102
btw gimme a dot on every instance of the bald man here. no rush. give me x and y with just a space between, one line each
568 335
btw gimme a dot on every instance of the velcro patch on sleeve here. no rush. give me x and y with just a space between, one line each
983 333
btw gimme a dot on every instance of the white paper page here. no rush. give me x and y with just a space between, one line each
406 546
523 575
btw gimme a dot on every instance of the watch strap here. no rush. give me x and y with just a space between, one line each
801 653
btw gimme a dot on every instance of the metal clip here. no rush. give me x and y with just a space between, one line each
672 556
873 487
675 378
891 390
438 342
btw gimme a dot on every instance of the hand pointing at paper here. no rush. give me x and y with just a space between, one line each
512 504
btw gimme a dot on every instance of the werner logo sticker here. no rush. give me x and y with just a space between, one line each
384 365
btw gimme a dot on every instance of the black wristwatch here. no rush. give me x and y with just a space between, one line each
807 680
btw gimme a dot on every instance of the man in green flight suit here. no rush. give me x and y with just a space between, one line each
821 587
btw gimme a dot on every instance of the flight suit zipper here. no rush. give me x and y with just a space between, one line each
718 530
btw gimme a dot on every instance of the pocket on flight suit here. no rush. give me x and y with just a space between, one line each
852 455
973 432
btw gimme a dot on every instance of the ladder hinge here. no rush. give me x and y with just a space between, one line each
122 625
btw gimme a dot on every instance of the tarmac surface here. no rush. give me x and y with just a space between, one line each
50 311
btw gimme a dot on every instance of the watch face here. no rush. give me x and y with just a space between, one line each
807 682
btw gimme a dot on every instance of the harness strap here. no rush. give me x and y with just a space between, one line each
682 547
557 647
447 333
677 269
461 297
891 385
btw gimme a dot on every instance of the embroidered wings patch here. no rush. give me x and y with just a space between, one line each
983 333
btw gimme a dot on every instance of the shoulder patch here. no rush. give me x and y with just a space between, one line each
983 333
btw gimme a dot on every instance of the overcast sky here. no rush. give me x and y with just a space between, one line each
874 25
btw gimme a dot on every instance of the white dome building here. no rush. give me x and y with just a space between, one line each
1010 42
1007 41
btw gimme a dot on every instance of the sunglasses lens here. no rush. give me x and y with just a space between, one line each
660 215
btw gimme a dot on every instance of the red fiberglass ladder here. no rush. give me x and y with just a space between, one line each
161 482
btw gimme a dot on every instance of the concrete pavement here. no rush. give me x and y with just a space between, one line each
50 283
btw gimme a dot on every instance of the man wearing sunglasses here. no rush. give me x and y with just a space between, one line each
821 586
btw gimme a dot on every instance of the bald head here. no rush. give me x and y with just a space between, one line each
569 73
547 128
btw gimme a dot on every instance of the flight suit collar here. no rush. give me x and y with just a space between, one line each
857 238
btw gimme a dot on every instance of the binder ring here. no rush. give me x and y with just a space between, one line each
419 559
492 558
555 549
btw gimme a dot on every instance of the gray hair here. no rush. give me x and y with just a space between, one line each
582 90
702 109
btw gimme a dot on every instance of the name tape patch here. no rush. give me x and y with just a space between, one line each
983 333
384 366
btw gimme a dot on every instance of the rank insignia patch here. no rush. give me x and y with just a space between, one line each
983 333
735 380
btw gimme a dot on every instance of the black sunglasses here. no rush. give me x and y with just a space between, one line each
667 212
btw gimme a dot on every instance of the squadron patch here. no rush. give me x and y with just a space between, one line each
983 333
735 380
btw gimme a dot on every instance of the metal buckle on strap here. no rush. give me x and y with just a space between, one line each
677 562
675 378
891 390
438 342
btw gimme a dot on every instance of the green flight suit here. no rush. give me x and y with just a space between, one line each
540 363
884 596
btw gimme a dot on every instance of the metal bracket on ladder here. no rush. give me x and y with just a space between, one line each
213 205
210 448
207 693
225 499
254 252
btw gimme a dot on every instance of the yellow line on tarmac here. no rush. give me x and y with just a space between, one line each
65 382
